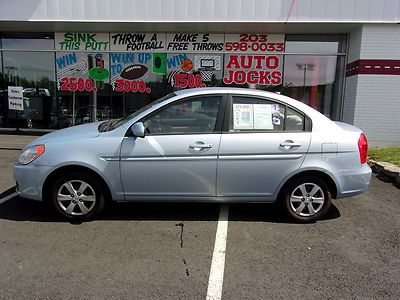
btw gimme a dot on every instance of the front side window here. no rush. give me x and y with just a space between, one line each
196 115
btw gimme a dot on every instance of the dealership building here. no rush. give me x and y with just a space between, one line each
68 62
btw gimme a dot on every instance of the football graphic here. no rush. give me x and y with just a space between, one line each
133 72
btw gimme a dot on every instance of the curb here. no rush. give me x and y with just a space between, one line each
386 172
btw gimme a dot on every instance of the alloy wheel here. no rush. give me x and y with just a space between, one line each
76 197
307 199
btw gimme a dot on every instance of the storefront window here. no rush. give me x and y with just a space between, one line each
83 87
135 82
28 41
327 44
3 102
34 71
188 70
80 107
315 79
152 81
75 78
312 80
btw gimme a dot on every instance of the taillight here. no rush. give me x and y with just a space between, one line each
363 148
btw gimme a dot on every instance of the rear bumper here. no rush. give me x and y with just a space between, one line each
354 182
29 179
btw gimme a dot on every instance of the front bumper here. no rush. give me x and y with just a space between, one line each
354 182
30 179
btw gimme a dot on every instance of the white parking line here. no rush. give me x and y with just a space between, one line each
215 282
2 200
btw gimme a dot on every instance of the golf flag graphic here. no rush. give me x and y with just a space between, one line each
159 63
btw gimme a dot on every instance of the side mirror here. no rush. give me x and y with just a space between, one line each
138 129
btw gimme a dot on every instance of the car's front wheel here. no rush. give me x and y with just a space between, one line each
307 198
77 196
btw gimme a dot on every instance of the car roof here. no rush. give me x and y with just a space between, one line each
241 91
221 90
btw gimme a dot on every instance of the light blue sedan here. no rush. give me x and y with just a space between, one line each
213 144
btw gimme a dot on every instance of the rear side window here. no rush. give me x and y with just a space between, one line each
263 115
253 114
294 120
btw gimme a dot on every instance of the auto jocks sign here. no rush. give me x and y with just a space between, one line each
253 69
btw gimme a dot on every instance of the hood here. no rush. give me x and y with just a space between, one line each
85 131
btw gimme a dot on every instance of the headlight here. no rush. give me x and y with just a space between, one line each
29 154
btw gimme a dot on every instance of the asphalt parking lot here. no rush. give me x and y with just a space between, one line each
165 251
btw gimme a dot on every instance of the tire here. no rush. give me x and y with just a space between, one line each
307 198
77 196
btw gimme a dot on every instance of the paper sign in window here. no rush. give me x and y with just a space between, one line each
263 116
243 116
276 114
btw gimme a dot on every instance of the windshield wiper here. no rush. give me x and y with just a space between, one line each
109 125
104 126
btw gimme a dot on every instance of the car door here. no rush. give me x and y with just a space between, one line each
177 158
263 142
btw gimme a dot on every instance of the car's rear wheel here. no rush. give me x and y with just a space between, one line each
307 198
77 196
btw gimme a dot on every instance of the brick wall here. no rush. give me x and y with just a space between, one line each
380 41
377 109
349 102
371 101
355 44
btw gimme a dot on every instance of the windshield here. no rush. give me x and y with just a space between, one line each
112 124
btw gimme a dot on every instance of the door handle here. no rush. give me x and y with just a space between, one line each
289 144
199 146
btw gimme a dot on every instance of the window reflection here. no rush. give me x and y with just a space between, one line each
28 41
197 115
312 80
327 44
3 102
34 71
77 108
311 47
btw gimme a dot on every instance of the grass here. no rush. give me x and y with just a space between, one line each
391 155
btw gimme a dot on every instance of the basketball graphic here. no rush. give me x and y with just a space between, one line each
186 65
